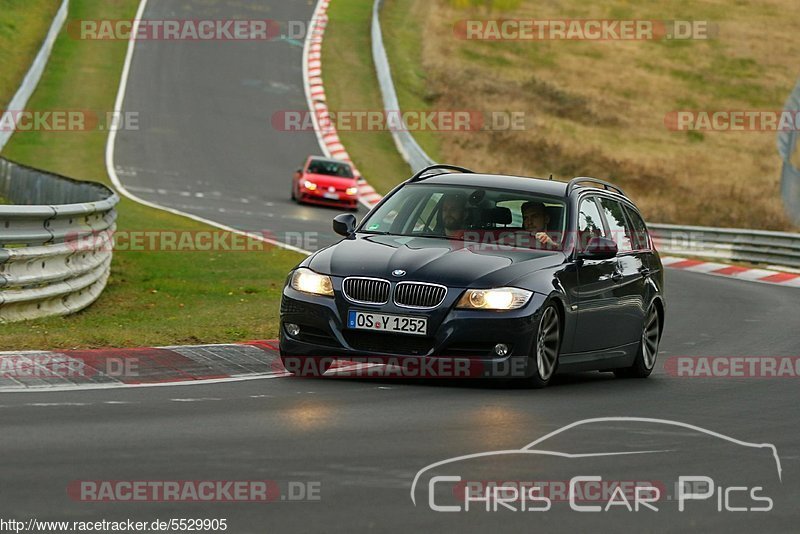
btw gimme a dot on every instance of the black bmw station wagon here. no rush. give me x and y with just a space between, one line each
491 270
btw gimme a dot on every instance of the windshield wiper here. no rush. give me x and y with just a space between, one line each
435 236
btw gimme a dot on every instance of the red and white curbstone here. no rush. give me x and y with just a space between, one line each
63 370
317 104
768 276
138 367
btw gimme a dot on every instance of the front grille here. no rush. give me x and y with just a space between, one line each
388 343
366 290
419 295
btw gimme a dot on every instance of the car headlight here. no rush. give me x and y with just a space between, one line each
308 281
352 191
501 298
311 186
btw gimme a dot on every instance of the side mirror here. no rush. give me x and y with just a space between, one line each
344 224
599 248
298 172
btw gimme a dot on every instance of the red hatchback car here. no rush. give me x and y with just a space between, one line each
325 181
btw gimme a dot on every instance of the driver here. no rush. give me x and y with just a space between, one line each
535 220
453 213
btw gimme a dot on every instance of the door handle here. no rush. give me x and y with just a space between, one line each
617 276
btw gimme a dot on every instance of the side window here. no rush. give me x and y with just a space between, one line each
590 223
641 238
617 224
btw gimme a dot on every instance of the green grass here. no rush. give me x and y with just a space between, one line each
598 108
153 298
23 27
350 84
401 37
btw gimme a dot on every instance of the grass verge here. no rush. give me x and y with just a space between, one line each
23 27
153 298
598 108
351 85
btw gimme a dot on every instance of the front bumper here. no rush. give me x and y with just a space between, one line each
464 337
317 197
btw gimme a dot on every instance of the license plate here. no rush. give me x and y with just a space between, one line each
382 322
331 196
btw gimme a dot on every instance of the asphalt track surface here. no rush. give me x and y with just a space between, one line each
205 143
364 440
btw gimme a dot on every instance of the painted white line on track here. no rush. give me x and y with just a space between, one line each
112 138
108 386
49 404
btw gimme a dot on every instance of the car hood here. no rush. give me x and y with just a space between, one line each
443 261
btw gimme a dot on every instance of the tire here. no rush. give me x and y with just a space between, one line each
294 197
647 352
545 349
306 367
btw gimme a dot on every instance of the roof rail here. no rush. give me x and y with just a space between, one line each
607 186
427 171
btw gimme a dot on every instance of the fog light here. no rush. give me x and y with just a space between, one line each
501 349
292 329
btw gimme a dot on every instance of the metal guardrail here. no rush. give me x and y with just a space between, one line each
406 144
55 244
754 246
55 249
34 74
735 244
790 175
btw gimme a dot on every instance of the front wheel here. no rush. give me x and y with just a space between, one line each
546 347
648 348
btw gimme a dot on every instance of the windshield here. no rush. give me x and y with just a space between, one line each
500 216
330 168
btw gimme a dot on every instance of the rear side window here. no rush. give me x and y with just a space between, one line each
641 239
617 224
590 222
